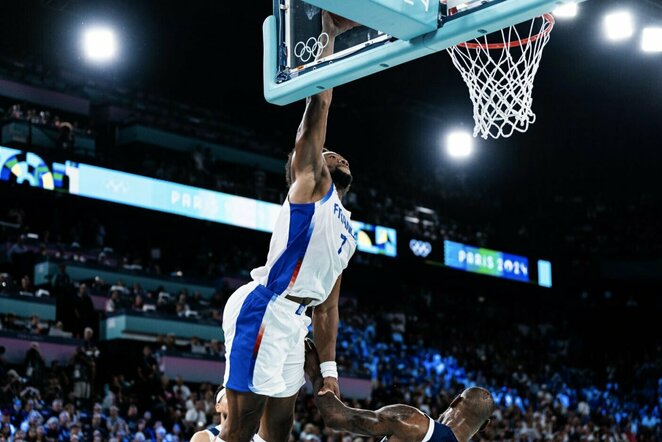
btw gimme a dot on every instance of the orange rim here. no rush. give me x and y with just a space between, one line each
513 44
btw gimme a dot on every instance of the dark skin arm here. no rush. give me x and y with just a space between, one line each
325 330
401 422
310 175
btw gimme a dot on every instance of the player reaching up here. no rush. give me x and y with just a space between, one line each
264 321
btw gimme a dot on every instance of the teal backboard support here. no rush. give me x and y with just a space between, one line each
283 87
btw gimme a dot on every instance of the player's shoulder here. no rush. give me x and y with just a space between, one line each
200 436
205 435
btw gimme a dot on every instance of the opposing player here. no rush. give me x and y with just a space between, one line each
221 406
468 414
264 321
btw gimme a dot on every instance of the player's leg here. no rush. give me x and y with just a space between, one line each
258 335
277 419
242 319
244 412
278 416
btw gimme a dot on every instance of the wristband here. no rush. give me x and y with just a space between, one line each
329 369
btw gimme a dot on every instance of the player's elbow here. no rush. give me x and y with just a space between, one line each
330 415
325 311
319 314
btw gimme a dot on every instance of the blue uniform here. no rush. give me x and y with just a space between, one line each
213 433
437 432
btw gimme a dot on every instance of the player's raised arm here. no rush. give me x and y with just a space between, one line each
307 163
402 421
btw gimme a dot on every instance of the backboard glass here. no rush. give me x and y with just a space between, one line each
291 34
301 28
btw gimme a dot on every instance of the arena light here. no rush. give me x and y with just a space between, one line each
99 44
651 40
567 10
619 25
459 145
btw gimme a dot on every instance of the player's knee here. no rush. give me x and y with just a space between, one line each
285 420
237 434
280 427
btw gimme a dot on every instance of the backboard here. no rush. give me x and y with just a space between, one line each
291 37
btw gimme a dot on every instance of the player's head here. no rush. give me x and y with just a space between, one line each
338 168
471 409
221 401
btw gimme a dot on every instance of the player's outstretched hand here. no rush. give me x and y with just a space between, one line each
330 386
312 369
335 25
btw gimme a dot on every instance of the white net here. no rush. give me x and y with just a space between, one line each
499 70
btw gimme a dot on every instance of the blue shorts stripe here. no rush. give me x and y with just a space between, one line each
247 335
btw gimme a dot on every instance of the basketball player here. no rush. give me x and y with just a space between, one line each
468 414
221 407
264 321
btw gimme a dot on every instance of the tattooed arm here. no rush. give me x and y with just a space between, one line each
400 421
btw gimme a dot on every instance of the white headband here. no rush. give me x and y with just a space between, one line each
329 152
219 396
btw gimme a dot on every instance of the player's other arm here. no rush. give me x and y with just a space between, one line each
308 168
325 331
401 421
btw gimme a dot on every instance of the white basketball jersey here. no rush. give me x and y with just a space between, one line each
310 247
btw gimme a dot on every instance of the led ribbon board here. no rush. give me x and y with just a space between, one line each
485 261
378 240
165 196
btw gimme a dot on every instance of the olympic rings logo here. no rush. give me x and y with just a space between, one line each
117 186
311 48
420 248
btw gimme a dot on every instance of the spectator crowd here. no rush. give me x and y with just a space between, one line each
552 374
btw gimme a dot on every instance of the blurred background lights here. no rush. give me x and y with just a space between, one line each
619 25
567 10
99 44
459 145
651 39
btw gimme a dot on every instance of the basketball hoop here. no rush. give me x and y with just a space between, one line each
499 70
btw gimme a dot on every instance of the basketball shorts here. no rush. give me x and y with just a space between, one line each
264 342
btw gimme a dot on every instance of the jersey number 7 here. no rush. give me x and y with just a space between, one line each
344 240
